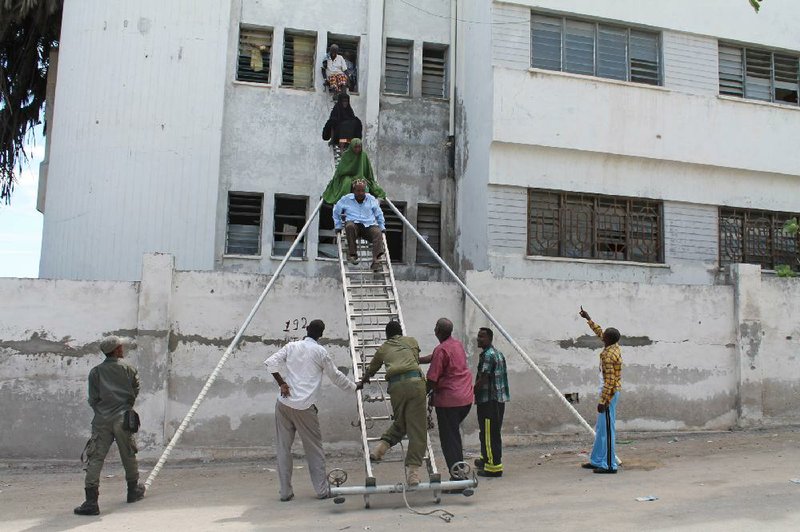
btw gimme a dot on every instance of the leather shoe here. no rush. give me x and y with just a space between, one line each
484 473
589 465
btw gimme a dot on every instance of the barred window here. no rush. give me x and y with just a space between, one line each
243 234
759 74
757 237
594 49
255 52
590 226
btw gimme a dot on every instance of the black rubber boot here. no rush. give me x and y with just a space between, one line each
89 506
135 491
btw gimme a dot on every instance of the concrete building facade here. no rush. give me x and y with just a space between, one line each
618 155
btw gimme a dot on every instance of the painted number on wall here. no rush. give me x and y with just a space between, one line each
295 324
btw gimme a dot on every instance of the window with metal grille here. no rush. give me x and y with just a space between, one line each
590 226
298 59
348 48
757 237
434 71
290 217
243 235
397 74
395 232
429 225
594 49
759 74
326 244
255 52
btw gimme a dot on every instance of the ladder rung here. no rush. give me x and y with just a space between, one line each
371 399
378 418
371 313
358 329
372 299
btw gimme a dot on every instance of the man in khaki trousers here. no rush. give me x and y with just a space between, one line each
304 362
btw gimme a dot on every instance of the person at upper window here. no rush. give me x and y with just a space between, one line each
352 71
335 70
342 126
363 218
353 166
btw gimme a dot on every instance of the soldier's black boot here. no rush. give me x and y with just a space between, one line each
89 506
135 491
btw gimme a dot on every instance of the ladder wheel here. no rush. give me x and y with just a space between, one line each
366 501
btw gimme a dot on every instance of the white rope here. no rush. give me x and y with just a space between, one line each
234 343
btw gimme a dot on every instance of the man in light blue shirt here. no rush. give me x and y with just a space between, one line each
363 218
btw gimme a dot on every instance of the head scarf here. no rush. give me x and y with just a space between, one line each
352 166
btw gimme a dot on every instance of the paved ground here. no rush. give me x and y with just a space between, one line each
710 481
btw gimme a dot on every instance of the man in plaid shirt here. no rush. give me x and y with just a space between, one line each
603 458
491 396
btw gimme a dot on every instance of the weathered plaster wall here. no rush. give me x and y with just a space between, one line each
49 333
272 143
241 404
696 357
780 348
678 350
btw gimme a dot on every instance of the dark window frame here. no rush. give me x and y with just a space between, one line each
741 87
428 64
751 224
241 207
345 43
423 255
409 45
394 225
244 71
588 226
301 249
326 235
285 60
630 63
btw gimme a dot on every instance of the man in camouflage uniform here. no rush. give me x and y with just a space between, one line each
113 387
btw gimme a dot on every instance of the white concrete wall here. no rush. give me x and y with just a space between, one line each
565 111
774 26
696 357
780 344
49 336
677 347
135 143
272 134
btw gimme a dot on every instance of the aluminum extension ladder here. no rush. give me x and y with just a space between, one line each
371 301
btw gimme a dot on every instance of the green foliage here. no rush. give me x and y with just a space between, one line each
784 270
756 4
29 29
791 226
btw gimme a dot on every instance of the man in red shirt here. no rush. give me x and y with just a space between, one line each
451 379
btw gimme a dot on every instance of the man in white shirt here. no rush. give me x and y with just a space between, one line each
304 362
336 69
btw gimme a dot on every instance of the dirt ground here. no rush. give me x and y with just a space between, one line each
703 481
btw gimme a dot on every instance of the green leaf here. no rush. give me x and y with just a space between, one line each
791 226
756 4
784 270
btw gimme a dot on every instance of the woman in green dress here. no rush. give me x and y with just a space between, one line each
353 165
